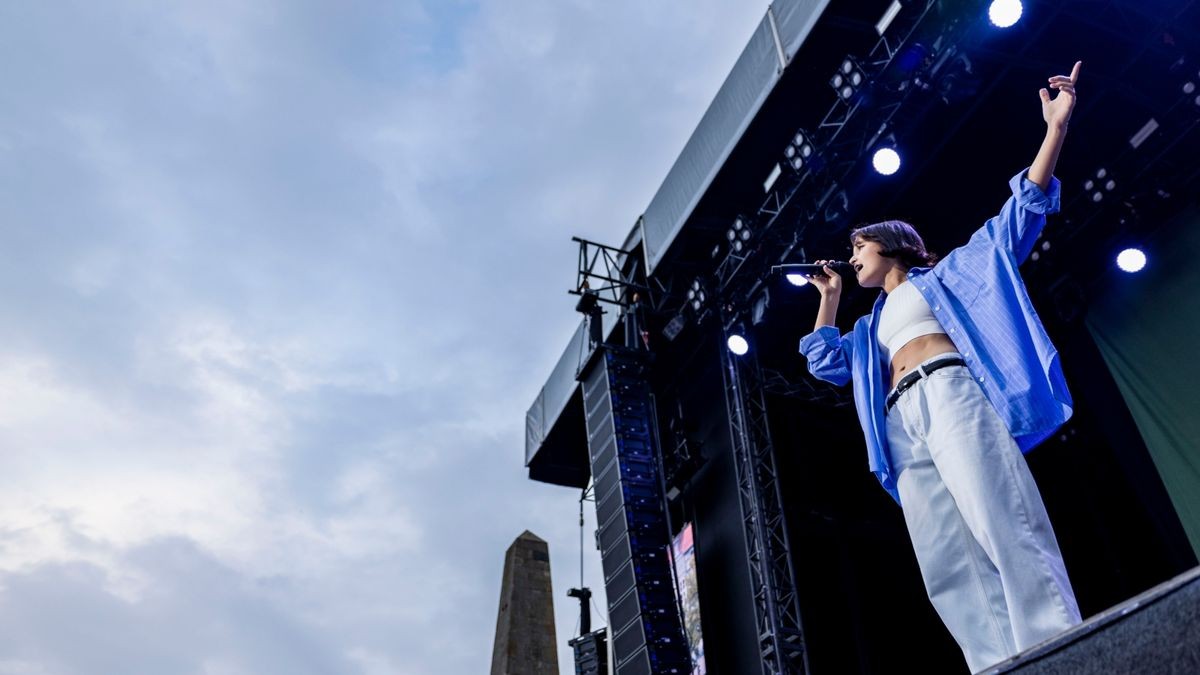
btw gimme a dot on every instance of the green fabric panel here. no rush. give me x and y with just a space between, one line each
1146 325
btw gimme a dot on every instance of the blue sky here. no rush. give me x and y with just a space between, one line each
279 281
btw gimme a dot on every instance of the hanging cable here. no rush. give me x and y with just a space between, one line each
582 499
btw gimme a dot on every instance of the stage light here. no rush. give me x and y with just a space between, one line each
886 161
772 177
1140 137
739 234
737 344
1038 250
1096 188
797 279
674 327
1004 13
696 296
758 313
1131 260
799 150
848 79
886 20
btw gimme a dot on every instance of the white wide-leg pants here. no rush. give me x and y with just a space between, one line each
987 553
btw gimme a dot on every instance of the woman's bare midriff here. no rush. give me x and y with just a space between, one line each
916 351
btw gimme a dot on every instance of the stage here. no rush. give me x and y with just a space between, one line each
1156 632
803 563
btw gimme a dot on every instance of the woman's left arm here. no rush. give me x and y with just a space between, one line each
1057 113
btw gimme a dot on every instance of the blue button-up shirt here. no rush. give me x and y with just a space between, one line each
977 295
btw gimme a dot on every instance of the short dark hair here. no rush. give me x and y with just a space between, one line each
898 239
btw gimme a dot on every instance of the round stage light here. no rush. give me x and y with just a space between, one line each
886 161
1131 260
1004 13
738 345
797 279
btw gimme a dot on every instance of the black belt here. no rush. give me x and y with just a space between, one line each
915 376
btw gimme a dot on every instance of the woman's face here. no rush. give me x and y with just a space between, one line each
870 267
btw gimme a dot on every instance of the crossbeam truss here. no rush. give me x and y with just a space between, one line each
609 273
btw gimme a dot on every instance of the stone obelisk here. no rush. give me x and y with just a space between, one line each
525 642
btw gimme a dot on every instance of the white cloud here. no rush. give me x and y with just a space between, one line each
280 281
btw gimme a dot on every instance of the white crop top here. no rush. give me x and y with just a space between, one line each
905 316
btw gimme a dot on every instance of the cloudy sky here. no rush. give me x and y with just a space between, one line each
278 281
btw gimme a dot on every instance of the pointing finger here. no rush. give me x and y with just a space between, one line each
1075 72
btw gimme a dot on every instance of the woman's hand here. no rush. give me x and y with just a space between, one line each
1057 112
831 283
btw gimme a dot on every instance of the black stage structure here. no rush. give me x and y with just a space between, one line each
804 562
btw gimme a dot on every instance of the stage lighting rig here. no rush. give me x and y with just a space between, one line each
799 151
737 343
849 79
1131 260
1040 247
886 160
697 296
797 279
1005 13
888 16
739 234
1099 186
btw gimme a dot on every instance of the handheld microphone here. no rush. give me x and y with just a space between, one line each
811 269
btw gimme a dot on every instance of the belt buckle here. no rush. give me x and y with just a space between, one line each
910 380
